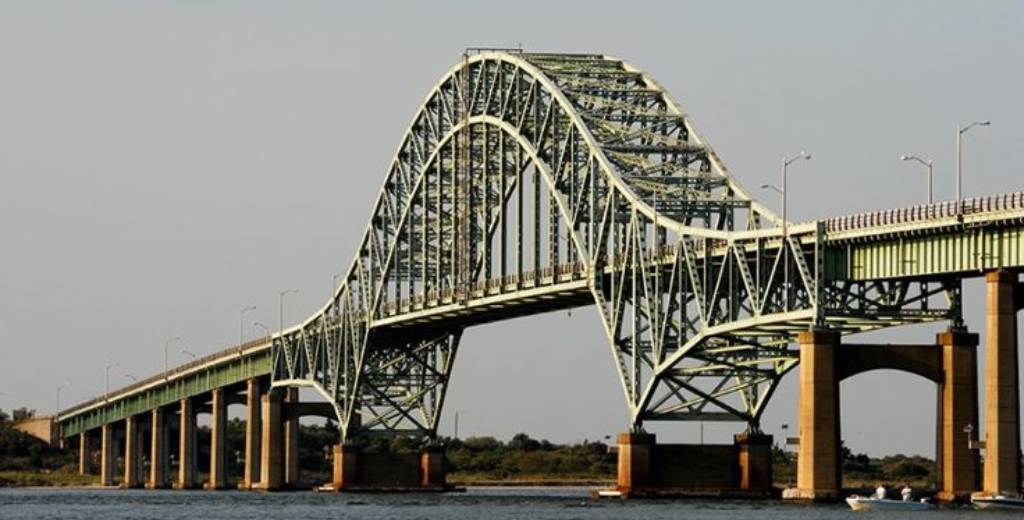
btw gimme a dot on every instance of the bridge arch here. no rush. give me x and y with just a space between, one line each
631 211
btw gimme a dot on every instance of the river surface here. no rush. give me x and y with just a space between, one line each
474 504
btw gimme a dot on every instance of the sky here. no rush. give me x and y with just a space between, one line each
164 164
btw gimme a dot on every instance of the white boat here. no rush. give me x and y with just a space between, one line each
859 503
998 502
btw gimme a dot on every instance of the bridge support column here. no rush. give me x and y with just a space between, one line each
358 471
957 463
107 461
186 446
218 441
818 470
253 427
1002 391
754 454
271 471
157 450
346 460
634 461
84 453
132 453
432 463
291 440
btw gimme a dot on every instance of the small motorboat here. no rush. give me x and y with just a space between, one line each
859 503
998 502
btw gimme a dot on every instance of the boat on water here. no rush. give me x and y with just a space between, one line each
998 502
859 503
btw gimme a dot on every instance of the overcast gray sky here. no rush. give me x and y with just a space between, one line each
163 164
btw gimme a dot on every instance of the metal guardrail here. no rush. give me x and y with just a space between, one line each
909 215
223 354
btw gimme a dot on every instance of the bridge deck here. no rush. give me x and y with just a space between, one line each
916 242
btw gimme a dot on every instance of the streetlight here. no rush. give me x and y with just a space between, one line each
927 163
187 353
106 381
59 388
960 131
133 378
266 329
785 221
280 306
241 317
167 345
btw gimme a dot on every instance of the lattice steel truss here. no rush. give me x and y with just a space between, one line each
533 182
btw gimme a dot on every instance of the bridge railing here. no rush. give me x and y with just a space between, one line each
949 209
236 350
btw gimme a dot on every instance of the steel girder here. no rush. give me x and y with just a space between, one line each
531 182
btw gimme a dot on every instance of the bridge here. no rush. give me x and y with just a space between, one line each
528 183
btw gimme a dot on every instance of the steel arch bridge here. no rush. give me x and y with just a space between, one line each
531 182
528 183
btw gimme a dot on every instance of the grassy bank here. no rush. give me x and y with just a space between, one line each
45 479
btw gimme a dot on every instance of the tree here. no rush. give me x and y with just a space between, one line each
523 442
20 414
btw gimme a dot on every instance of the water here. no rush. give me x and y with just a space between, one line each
474 504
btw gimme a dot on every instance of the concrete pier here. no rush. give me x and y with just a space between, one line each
272 450
158 456
132 453
357 471
432 468
754 459
291 439
186 446
818 469
739 470
958 391
107 455
218 441
1002 390
634 461
85 466
253 430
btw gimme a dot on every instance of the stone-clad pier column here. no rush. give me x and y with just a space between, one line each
818 476
959 407
157 450
1002 390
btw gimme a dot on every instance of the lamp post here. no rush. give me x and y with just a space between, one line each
785 222
106 381
960 131
280 306
266 329
167 345
927 163
188 353
59 388
241 317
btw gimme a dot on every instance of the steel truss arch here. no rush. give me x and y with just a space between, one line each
613 198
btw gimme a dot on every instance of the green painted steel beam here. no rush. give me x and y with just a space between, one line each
231 369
